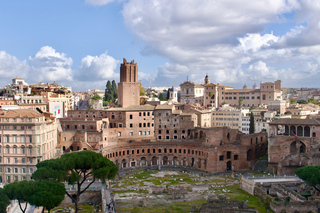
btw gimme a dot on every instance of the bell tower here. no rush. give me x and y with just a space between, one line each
206 80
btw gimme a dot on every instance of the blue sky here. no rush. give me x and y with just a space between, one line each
81 43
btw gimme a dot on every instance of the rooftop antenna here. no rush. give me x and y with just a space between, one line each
187 78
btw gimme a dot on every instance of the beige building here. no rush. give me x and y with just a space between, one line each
304 111
203 115
214 94
227 116
26 137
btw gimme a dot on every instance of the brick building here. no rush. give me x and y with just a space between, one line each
293 143
172 124
211 149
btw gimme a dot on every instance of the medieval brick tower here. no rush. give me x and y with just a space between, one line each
129 87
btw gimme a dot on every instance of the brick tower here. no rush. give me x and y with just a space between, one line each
129 87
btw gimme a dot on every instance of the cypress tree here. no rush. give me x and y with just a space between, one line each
251 127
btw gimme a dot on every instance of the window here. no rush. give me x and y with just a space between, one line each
131 133
23 160
30 150
8 149
23 170
130 116
22 139
228 155
30 160
131 125
8 160
221 158
22 150
15 170
8 170
119 133
236 157
140 133
30 139
31 170
15 150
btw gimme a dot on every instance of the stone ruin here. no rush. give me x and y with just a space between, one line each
222 205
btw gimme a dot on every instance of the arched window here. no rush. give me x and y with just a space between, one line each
143 161
306 131
292 130
165 160
154 161
124 163
299 131
286 130
249 155
175 161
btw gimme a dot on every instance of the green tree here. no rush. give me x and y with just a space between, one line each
210 94
168 93
109 86
114 89
302 101
251 126
292 101
105 103
142 91
161 97
4 201
47 193
311 175
76 168
96 97
20 191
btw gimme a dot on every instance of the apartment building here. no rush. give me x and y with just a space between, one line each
26 137
231 117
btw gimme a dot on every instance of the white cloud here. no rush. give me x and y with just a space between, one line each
97 68
47 65
11 67
225 38
98 2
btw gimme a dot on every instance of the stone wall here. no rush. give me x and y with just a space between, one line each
86 197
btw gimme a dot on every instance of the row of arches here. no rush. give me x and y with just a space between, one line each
156 151
298 131
162 161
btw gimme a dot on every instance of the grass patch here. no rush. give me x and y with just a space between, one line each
86 208
239 194
130 191
176 207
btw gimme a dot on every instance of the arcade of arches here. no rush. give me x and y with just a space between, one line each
186 154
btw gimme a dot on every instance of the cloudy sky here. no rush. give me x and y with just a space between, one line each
81 43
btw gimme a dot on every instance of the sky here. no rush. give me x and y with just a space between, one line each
81 43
